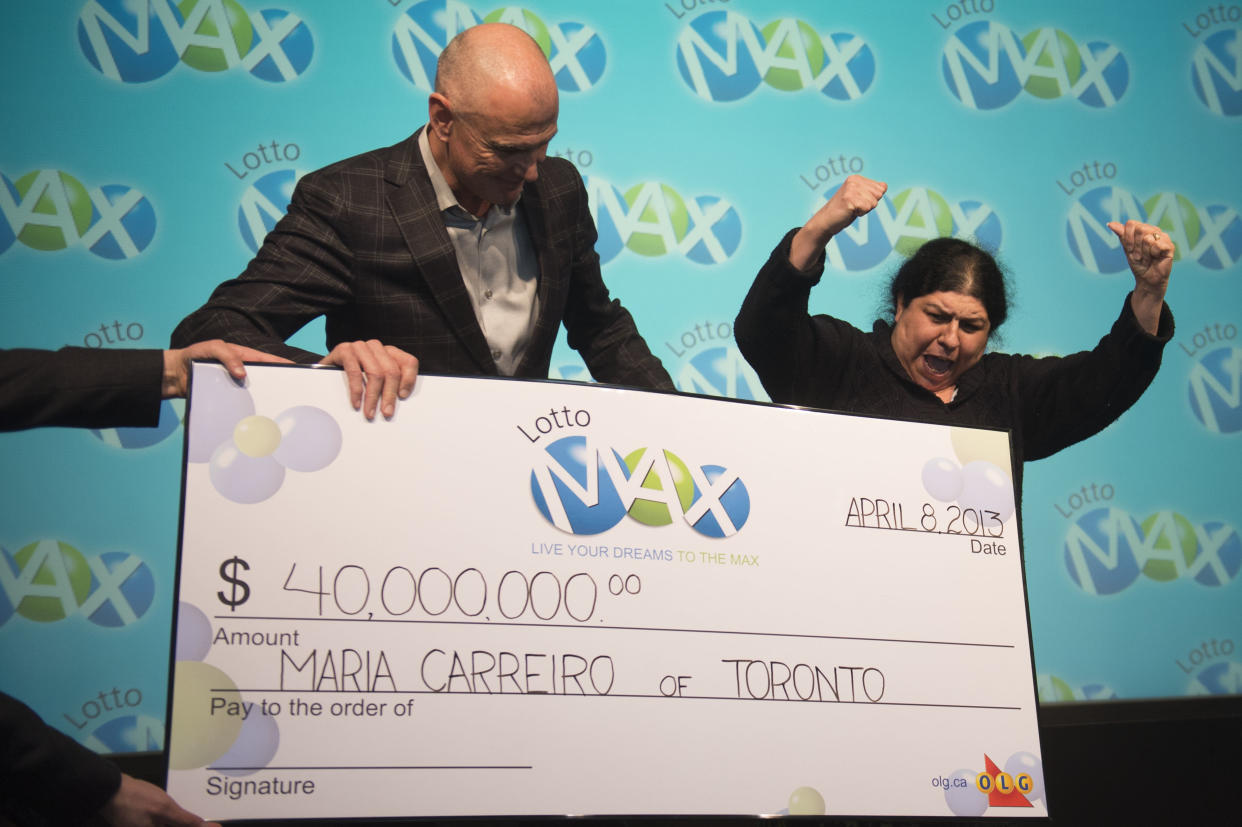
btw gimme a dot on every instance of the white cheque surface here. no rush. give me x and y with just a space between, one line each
551 598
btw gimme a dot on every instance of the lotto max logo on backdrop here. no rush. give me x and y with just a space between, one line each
575 51
1215 390
128 733
582 488
50 580
171 413
136 41
1221 678
1106 550
51 210
722 56
264 203
1052 689
712 365
1209 235
720 371
1216 71
905 222
653 219
986 66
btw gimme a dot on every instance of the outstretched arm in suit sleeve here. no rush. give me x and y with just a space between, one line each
79 387
598 326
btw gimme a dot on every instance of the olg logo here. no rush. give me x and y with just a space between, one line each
50 210
135 41
1216 72
1215 390
582 488
1210 235
652 219
575 52
50 580
723 56
1107 549
263 204
905 222
986 66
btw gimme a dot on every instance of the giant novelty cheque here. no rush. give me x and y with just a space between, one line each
543 598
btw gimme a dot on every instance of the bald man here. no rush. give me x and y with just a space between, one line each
460 250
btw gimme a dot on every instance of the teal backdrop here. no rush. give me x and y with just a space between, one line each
148 145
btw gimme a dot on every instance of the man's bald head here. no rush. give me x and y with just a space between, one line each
495 63
491 115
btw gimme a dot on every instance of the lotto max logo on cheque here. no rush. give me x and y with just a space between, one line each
50 210
136 41
723 56
1106 550
652 219
986 66
50 580
1209 235
575 51
582 487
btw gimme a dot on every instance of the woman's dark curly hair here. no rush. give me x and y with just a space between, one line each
951 264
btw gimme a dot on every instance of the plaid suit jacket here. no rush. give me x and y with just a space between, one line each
364 245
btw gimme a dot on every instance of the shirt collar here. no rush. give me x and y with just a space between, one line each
445 200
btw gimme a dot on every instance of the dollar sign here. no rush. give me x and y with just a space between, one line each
228 571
